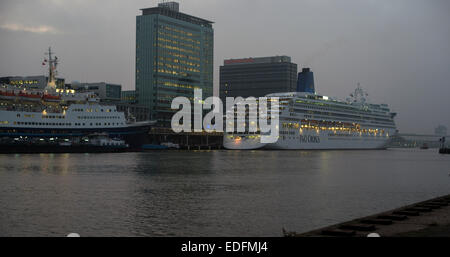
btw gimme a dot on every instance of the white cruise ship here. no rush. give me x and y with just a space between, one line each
312 121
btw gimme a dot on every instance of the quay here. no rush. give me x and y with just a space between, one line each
157 138
186 140
429 218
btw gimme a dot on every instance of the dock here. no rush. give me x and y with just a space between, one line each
444 150
429 218
186 140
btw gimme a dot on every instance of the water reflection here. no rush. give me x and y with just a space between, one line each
209 193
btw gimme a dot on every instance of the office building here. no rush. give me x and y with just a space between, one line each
305 81
129 96
107 92
257 76
174 55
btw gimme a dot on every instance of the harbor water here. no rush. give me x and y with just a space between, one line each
209 193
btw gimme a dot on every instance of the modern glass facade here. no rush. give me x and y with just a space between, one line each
305 81
174 55
129 96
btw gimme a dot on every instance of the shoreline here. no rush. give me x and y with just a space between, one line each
430 218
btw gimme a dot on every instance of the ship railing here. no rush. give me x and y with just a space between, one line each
22 109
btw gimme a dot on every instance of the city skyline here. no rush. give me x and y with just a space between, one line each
398 51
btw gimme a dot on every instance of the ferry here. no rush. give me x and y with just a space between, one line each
62 113
314 121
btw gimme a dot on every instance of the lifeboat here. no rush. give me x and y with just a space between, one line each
6 93
49 97
29 96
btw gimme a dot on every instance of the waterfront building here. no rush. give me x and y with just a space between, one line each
174 55
129 96
134 112
305 81
107 92
31 82
257 76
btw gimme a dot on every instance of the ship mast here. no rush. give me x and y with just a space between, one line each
359 95
52 63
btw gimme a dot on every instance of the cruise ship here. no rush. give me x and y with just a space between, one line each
313 121
61 113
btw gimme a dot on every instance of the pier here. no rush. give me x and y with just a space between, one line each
427 218
186 140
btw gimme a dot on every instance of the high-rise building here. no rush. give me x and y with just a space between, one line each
174 55
257 76
305 82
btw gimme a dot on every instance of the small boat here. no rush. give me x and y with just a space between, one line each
103 140
6 93
171 145
49 97
65 143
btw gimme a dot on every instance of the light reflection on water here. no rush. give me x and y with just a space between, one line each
209 193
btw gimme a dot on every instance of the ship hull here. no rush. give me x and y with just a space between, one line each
311 140
324 142
36 148
135 135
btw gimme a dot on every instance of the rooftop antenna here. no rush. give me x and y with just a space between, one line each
359 95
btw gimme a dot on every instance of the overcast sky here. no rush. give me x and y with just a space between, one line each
399 50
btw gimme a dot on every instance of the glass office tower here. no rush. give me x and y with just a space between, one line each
174 55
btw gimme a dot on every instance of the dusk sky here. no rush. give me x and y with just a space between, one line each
399 50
